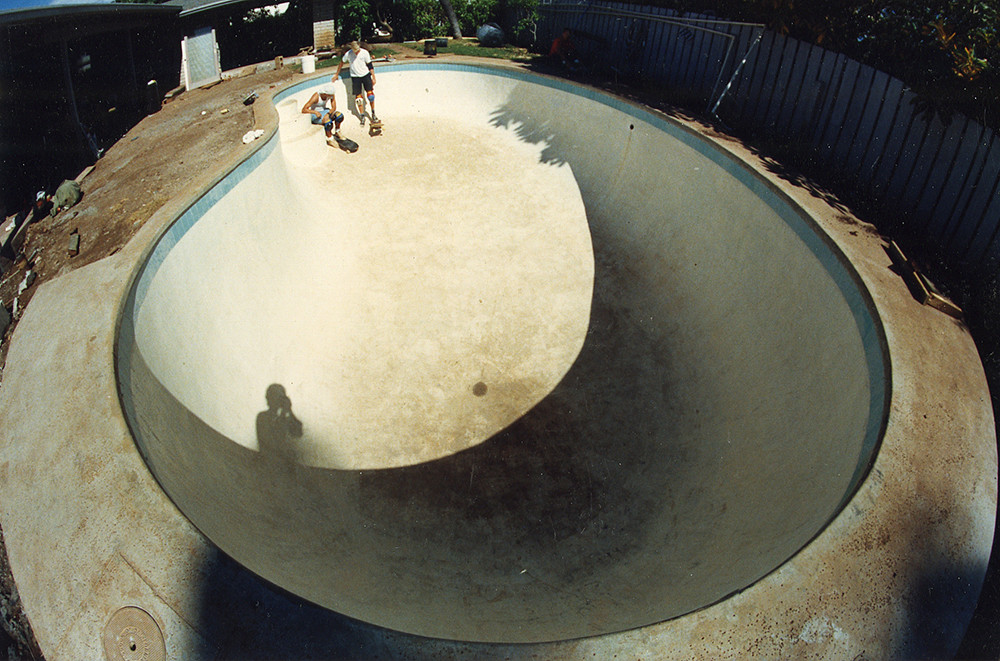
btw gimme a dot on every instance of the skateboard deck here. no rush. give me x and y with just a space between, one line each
346 144
375 127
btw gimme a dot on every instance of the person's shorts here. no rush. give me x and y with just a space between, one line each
364 81
321 120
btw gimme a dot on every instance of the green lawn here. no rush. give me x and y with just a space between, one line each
467 46
472 48
376 52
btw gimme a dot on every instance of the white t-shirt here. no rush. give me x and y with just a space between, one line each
359 62
320 104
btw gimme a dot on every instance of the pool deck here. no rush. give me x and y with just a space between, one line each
89 532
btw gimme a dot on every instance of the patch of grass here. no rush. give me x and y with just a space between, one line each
330 62
471 48
382 51
376 52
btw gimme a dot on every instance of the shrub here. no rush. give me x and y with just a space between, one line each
473 13
415 19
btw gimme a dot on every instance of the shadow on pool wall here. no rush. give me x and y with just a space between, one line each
661 458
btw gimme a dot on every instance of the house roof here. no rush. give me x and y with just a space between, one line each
189 7
103 10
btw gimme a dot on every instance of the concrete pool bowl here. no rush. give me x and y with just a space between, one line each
569 378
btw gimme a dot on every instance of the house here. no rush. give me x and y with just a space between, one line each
73 80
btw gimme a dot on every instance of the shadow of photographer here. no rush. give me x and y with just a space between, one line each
277 426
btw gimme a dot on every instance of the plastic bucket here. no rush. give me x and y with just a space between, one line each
308 63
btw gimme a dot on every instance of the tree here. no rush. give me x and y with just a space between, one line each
456 29
354 19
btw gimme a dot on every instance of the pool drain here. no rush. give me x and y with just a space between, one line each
133 635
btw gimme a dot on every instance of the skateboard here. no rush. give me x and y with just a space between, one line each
346 144
375 127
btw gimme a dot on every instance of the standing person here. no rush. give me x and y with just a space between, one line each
323 108
362 73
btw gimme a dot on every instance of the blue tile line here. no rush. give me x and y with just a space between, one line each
172 236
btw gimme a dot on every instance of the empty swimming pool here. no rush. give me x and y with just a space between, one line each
560 367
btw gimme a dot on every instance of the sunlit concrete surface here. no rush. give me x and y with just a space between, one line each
565 371
379 289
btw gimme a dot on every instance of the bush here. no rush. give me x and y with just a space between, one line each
415 19
474 13
409 19
525 16
355 20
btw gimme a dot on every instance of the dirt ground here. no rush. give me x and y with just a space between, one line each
132 181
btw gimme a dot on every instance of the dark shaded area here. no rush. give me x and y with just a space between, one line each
12 650
979 298
278 625
941 606
800 180
946 52
17 641
72 83
982 638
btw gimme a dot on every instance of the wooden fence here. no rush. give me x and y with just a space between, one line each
842 116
